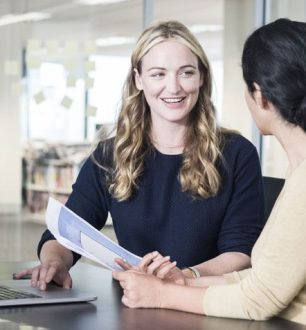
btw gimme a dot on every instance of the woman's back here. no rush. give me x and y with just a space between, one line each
278 273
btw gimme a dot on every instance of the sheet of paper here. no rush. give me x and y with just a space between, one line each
79 236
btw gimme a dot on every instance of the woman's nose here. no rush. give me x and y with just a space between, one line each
173 84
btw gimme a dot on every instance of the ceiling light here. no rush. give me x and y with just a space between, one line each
115 41
98 2
199 28
32 16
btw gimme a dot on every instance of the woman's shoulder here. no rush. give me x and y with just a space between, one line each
296 180
103 151
234 142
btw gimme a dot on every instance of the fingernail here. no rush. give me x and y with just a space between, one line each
167 257
174 263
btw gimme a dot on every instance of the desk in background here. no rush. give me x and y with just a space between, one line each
108 312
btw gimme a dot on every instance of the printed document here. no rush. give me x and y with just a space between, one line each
78 235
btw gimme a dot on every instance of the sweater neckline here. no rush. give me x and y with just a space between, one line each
173 156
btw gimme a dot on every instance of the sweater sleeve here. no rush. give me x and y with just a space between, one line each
244 215
235 277
279 272
89 197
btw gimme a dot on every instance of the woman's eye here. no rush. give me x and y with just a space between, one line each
157 75
187 73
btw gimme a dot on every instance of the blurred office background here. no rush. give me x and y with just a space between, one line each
62 66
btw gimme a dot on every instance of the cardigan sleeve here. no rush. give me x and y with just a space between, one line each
236 276
279 272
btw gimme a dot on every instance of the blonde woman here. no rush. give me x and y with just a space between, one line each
172 179
274 69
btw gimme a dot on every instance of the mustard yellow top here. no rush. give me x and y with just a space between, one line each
276 283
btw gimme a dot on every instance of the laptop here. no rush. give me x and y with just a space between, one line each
20 292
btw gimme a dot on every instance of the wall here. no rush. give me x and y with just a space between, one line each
10 145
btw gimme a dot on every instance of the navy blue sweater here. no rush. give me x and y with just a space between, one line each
161 217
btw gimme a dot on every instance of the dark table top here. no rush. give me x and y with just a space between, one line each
107 312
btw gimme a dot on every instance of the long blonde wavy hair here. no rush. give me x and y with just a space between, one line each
203 138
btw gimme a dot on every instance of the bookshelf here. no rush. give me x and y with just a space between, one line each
49 170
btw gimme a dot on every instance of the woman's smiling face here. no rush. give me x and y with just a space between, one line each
170 80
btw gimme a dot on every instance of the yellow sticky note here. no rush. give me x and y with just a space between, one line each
89 82
66 102
39 97
11 68
90 66
33 45
70 65
89 47
33 62
71 81
91 111
52 46
16 88
71 47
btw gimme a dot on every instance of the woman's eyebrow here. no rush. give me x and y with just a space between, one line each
188 66
181 67
156 68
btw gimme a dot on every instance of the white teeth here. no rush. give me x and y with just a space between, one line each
174 100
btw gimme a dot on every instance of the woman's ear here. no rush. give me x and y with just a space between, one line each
260 100
138 80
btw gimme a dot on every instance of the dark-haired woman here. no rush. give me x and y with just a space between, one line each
274 69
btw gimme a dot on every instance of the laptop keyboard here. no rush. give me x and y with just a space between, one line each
9 293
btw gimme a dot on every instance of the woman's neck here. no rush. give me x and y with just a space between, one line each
168 140
293 140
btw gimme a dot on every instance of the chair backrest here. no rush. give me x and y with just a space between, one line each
272 188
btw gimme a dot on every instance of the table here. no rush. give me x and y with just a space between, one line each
108 313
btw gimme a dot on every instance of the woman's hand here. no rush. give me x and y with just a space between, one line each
43 274
154 263
148 291
148 264
139 289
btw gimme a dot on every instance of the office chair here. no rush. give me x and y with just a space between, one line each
272 188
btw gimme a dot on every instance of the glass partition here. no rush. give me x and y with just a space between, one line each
75 60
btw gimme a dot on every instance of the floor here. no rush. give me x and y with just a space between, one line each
19 237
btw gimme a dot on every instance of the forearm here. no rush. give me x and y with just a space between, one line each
173 296
224 263
206 281
53 251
